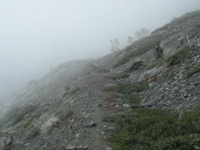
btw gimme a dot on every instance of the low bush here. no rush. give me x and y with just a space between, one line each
146 128
133 99
180 56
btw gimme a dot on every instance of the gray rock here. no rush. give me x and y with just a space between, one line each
108 148
126 106
110 129
69 147
82 147
91 124
179 107
150 103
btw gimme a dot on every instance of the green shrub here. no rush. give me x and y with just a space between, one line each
119 76
155 129
145 45
26 110
133 98
180 55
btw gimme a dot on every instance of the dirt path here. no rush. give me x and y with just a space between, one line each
85 126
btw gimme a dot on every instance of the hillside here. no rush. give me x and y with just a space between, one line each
96 104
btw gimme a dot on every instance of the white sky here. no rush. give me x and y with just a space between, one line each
36 35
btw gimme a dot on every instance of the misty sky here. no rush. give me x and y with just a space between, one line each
36 35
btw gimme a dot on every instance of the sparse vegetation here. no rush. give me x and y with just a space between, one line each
24 111
145 45
192 72
119 76
180 56
155 129
133 99
128 88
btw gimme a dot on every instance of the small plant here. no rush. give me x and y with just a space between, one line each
119 76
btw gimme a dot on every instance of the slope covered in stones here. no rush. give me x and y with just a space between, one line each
79 104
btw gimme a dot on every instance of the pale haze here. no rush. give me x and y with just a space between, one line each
37 35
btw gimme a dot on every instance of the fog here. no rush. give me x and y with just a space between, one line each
36 35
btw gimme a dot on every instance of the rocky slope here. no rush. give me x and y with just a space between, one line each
65 108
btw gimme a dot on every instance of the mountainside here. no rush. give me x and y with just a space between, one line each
79 104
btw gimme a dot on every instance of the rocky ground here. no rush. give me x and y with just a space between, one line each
65 108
